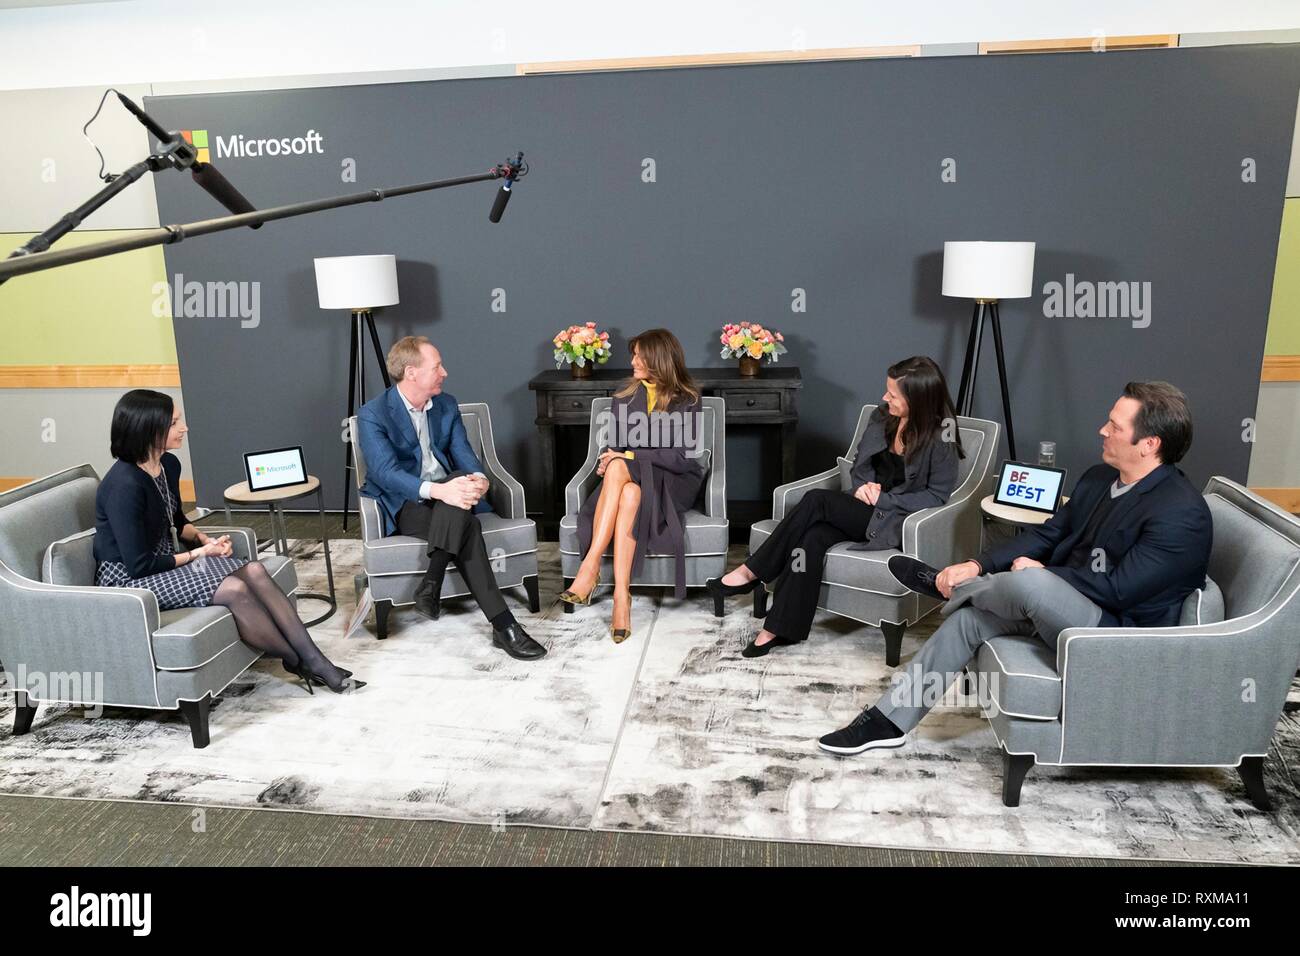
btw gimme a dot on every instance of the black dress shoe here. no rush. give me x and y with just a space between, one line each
758 650
915 575
870 730
428 598
514 640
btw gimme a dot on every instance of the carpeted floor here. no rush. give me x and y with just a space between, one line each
38 831
671 733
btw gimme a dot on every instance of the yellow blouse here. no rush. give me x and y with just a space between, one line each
649 404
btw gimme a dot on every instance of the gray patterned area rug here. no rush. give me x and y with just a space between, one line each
671 732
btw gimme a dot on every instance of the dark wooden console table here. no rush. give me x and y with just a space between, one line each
564 406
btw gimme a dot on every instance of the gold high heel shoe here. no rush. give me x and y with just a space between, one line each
620 634
570 597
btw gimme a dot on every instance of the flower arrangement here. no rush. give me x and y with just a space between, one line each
581 344
749 340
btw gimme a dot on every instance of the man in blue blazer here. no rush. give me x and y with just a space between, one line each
422 470
1132 542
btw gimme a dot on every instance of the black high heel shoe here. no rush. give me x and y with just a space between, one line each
722 591
349 684
303 675
310 677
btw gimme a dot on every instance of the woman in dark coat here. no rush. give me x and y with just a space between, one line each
144 540
906 460
651 472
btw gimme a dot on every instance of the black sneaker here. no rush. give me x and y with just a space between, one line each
870 730
914 575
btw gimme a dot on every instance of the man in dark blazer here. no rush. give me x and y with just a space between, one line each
422 470
1132 542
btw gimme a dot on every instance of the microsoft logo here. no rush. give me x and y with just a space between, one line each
198 138
241 147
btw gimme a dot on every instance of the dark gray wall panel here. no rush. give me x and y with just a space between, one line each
1122 166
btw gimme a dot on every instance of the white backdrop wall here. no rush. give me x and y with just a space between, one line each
154 41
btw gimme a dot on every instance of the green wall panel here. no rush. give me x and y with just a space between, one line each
91 313
1284 311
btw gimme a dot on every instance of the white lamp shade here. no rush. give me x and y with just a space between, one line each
988 270
356 282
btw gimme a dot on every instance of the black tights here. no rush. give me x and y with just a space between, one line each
268 622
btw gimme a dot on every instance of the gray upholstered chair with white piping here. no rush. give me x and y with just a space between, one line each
1195 695
704 526
857 584
395 564
63 640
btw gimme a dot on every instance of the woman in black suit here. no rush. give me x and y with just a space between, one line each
906 460
140 531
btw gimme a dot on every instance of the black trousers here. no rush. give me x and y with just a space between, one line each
456 531
796 550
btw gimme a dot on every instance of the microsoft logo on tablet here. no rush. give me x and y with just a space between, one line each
241 147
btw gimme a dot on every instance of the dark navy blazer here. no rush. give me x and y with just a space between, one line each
130 517
1156 540
391 449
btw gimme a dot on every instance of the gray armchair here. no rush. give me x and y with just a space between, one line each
63 640
857 584
1204 695
395 564
704 526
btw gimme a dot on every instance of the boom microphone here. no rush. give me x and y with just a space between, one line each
499 204
207 176
218 187
510 171
149 122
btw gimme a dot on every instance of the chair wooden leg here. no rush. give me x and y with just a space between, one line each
382 609
534 596
568 608
196 712
760 601
1014 768
24 713
1251 771
893 641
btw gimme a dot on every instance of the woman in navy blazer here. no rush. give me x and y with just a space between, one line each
140 530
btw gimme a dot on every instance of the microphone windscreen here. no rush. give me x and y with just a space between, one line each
219 188
499 204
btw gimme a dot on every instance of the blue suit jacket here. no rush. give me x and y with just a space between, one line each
391 450
1157 543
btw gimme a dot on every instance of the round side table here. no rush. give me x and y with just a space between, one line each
1009 518
274 499
1010 514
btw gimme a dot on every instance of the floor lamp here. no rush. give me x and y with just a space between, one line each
358 284
987 272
